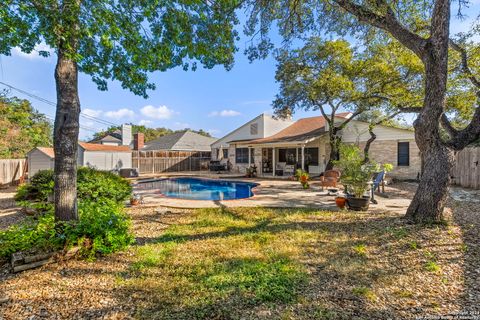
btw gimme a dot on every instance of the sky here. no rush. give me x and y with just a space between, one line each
214 100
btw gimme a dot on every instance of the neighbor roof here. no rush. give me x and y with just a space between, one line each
301 130
114 136
48 151
181 141
103 147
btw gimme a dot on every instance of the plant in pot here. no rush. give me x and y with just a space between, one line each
303 177
356 176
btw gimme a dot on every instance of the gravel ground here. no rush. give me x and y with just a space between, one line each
92 290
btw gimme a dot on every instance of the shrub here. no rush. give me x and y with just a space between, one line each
92 185
103 228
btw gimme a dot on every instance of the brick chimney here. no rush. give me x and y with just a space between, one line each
138 141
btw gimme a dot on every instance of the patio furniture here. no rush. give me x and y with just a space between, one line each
314 170
330 178
289 170
378 180
279 168
216 165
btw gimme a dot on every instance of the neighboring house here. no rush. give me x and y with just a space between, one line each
180 141
101 157
118 137
305 144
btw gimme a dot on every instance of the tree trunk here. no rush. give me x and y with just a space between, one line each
334 151
65 139
429 200
366 149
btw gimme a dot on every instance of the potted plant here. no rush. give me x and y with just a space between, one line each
303 177
356 176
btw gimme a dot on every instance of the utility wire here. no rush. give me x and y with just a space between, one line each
53 104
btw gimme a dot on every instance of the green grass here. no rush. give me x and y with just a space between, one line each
271 263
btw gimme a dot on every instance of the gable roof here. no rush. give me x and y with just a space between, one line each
103 147
48 151
114 136
181 141
301 130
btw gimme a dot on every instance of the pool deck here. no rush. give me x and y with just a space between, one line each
270 193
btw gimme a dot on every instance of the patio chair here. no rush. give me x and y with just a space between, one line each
330 178
289 170
279 168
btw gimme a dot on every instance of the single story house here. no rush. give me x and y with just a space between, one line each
99 156
180 141
305 144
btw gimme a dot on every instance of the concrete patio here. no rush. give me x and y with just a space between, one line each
275 194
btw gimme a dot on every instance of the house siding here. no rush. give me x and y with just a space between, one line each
107 160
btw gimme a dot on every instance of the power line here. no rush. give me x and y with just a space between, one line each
53 104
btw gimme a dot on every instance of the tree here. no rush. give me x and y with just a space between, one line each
150 133
121 40
421 27
332 75
21 127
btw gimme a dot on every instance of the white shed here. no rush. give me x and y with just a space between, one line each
40 159
98 156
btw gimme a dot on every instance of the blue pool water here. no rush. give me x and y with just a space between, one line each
200 189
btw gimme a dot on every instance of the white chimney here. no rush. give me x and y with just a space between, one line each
126 134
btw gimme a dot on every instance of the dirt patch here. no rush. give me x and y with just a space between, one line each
10 213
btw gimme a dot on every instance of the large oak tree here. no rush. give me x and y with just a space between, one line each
423 27
120 40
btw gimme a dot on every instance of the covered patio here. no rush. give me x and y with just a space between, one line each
282 156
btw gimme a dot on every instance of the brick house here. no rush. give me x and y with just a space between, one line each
278 147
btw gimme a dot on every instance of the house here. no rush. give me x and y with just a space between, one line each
305 144
180 141
118 137
99 156
259 127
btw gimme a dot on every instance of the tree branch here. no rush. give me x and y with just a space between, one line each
464 63
468 135
388 23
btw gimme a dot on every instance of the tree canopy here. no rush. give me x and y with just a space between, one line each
21 128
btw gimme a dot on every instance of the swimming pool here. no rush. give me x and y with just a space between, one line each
200 189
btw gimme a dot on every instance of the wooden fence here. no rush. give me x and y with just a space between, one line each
11 171
170 161
466 172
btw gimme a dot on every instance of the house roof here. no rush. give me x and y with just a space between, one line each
48 151
181 141
300 130
103 147
115 136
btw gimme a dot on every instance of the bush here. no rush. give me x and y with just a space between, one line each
93 185
103 228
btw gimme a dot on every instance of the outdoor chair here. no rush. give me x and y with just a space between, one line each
330 178
289 170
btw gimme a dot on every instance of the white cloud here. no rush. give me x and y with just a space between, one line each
91 112
224 113
181 125
120 113
161 112
144 122
213 132
34 54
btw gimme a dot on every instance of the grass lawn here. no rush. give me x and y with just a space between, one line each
293 264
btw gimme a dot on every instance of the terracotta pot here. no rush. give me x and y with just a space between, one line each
134 202
340 202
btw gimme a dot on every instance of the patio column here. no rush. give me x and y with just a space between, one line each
249 156
273 161
303 157
296 157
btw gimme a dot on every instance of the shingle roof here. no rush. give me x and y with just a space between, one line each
115 136
181 141
103 147
48 151
300 130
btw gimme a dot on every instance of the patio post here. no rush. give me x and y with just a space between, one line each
273 161
303 157
249 156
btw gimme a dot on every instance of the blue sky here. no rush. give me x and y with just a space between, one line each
215 100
